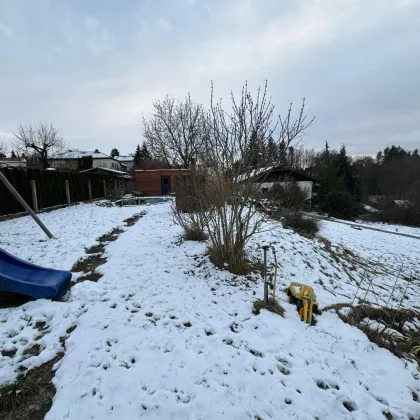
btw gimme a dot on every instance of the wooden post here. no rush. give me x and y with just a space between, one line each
115 187
90 190
67 191
104 184
34 196
24 204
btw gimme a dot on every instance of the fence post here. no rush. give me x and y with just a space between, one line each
19 198
67 191
104 184
34 196
90 190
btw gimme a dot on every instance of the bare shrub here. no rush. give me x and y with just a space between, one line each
300 223
192 225
228 214
288 195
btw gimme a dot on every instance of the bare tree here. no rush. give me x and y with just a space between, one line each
227 212
4 146
175 131
42 140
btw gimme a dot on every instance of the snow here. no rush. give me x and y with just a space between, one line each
165 335
391 249
409 230
77 154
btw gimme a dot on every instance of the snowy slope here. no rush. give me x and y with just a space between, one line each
165 335
375 244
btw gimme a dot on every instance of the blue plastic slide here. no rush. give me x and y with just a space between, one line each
19 276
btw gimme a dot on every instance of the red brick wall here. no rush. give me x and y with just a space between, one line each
149 181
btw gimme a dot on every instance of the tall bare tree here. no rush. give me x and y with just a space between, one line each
225 204
42 140
175 131
4 146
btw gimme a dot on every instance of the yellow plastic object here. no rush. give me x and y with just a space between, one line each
306 300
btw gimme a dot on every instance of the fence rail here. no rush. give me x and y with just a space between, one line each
44 189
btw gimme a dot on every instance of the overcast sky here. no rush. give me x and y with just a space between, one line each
93 67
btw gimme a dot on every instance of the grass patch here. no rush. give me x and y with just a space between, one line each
233 261
110 236
88 264
194 233
96 249
272 306
30 396
131 221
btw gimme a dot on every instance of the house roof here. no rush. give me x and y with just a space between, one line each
8 160
160 170
77 154
125 158
120 174
259 173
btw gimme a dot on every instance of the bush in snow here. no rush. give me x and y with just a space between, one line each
301 224
192 225
288 195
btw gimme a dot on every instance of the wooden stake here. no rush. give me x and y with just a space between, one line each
90 190
25 205
67 191
34 196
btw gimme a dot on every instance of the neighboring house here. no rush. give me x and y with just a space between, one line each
127 161
269 176
12 162
70 158
155 182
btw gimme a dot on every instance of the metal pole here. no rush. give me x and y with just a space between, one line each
34 196
67 191
265 248
90 189
25 204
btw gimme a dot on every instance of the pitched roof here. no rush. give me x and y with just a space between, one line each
125 158
76 154
10 159
112 171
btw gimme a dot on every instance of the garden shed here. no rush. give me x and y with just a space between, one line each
155 182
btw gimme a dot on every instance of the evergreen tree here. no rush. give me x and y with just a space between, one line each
13 155
254 153
114 152
272 152
145 154
137 155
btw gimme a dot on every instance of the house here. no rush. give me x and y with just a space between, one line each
155 182
269 176
70 159
12 162
127 161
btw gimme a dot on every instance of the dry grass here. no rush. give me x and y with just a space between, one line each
385 334
30 396
110 236
131 221
96 249
88 264
194 234
235 262
272 306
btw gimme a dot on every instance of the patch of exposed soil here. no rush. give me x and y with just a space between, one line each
10 300
131 221
110 236
30 397
96 249
88 264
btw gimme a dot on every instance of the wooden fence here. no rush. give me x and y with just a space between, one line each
43 189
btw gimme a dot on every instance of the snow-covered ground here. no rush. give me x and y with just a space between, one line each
165 335
415 231
389 248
